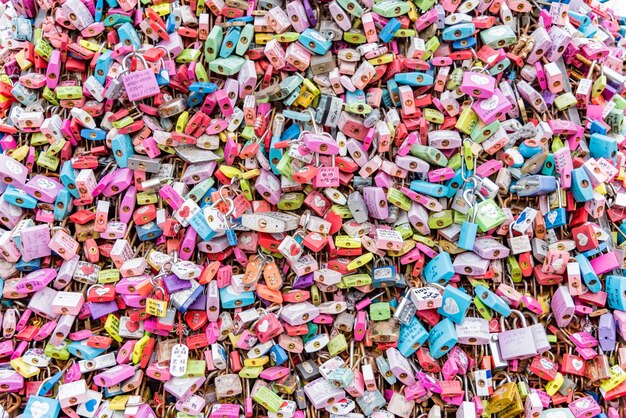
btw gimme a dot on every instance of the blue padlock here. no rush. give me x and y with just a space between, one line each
62 205
102 66
383 275
456 32
442 338
314 41
128 35
123 149
415 79
412 337
194 99
454 304
81 350
528 151
148 231
278 355
548 166
492 300
439 270
41 407
589 275
469 229
27 266
230 42
430 189
231 300
389 30
602 146
581 185
556 217
616 292
394 93
68 178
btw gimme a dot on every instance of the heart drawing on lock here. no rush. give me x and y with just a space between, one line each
294 249
577 364
319 202
87 269
132 326
90 405
101 291
39 409
263 326
245 239
184 211
552 217
557 265
451 307
582 239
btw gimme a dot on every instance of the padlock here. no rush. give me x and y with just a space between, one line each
517 342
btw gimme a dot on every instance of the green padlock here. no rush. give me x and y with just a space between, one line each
425 5
250 372
489 215
391 8
213 43
399 199
499 36
50 162
482 309
351 7
565 101
188 55
39 139
380 311
483 132
195 368
59 353
354 280
227 66
439 220
467 120
514 269
267 399
405 230
284 165
429 154
291 201
430 47
343 211
69 92
454 162
337 344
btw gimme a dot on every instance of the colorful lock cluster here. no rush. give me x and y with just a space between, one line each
298 209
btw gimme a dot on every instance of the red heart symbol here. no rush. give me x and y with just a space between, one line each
184 211
294 250
132 326
87 269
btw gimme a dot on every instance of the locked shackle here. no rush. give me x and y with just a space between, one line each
305 219
479 68
167 51
133 54
478 183
153 280
436 286
519 315
472 204
231 207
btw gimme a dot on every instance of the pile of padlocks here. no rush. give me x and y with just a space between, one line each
297 209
